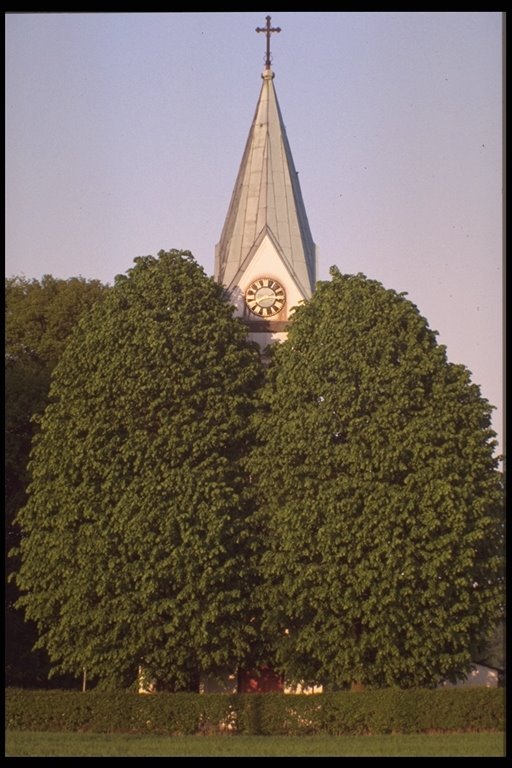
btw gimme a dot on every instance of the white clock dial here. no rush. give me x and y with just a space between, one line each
265 297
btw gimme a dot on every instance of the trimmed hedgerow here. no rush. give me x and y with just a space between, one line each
344 713
383 711
115 712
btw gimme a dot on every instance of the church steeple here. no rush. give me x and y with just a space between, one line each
266 237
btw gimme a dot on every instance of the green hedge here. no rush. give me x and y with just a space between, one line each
345 713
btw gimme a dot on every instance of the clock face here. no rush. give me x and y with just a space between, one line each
265 297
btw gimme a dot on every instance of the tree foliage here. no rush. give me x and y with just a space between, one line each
39 318
368 518
136 547
381 496
40 315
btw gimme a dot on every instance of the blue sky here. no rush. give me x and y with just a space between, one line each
124 134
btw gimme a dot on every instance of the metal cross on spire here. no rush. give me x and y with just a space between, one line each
268 31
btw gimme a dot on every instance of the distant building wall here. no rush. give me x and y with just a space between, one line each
480 675
302 688
263 680
146 684
225 681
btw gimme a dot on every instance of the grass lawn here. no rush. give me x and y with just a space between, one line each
41 744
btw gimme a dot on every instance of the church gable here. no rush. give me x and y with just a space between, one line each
266 262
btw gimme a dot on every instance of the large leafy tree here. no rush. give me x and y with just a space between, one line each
136 546
381 496
39 318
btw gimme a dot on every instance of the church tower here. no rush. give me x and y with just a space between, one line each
266 257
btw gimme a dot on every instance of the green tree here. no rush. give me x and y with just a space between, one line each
381 496
39 317
136 546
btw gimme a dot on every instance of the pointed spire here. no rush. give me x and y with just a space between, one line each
267 199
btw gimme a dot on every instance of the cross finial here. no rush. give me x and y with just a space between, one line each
268 31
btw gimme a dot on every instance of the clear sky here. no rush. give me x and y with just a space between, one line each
125 131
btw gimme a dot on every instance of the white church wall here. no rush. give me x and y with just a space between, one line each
480 675
146 683
302 688
265 339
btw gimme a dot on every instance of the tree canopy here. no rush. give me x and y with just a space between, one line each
39 318
381 498
40 315
136 548
340 516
